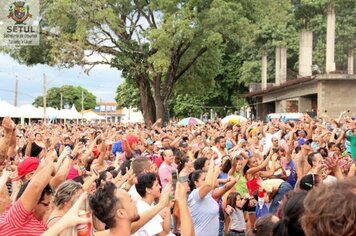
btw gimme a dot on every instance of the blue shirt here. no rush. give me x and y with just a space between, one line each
222 175
293 174
117 147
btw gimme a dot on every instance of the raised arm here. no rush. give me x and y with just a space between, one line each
71 218
341 116
36 185
187 227
209 180
352 171
86 155
149 214
61 174
28 147
260 167
219 192
4 177
101 157
342 136
271 171
8 126
291 140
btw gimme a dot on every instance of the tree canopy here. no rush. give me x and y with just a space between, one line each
71 95
181 57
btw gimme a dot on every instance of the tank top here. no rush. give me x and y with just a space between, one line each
72 173
252 185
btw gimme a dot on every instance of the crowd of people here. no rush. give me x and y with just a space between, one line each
250 178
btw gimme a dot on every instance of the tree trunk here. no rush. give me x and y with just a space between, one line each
160 105
160 110
147 102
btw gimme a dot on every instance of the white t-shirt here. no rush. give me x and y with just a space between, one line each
237 220
268 141
152 227
218 160
134 194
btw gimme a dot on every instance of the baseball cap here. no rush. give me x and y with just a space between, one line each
150 142
27 166
304 141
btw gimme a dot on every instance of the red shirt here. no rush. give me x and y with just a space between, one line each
158 161
16 221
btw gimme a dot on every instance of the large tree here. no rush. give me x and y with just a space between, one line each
127 95
70 95
154 43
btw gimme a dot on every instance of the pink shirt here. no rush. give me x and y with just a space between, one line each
165 172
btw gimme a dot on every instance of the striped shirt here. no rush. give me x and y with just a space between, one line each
16 221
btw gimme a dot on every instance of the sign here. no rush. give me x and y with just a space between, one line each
19 22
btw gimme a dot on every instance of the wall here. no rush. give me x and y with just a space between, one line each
336 96
334 93
303 89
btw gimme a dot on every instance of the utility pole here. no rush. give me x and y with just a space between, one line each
16 91
82 104
61 101
44 97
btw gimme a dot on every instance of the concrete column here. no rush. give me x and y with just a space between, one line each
278 66
283 70
350 62
264 70
281 106
330 39
305 53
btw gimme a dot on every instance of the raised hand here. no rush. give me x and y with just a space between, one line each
8 124
181 192
332 162
164 199
79 147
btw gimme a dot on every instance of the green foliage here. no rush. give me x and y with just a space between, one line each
127 95
186 56
71 95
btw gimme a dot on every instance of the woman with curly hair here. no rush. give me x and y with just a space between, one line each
335 211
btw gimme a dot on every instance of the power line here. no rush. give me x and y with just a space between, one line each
12 91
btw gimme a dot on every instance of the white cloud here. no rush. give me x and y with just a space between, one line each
102 80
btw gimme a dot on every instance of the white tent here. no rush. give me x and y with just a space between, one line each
29 111
7 109
69 114
64 114
74 113
92 116
131 115
51 112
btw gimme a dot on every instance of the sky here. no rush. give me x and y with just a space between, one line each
102 80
